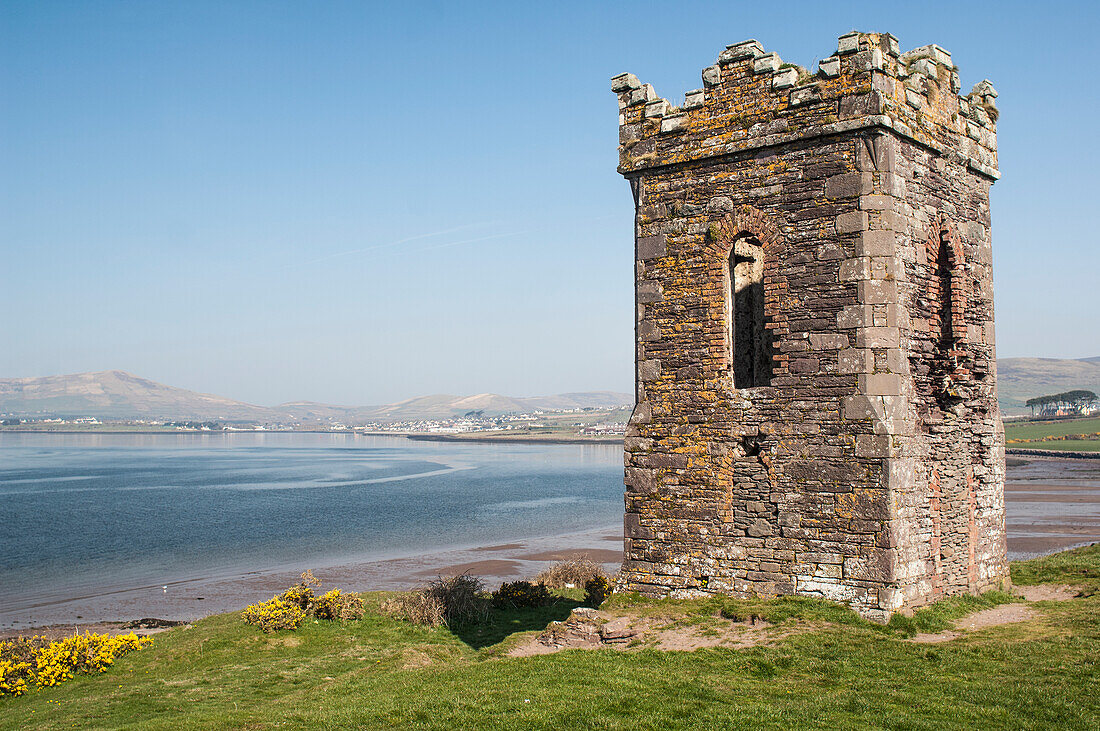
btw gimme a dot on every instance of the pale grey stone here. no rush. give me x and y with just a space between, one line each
656 108
785 78
930 51
830 66
649 370
650 291
671 123
624 82
768 63
693 99
745 49
848 43
852 222
712 76
651 247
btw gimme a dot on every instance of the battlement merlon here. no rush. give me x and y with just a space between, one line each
751 99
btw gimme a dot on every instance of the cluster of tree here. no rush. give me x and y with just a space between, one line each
1071 401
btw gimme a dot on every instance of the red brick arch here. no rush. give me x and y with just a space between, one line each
747 221
944 233
741 223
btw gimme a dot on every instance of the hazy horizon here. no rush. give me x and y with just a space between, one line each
352 203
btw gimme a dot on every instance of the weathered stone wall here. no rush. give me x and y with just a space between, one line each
869 467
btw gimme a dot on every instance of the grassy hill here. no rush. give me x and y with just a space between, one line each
1019 379
821 666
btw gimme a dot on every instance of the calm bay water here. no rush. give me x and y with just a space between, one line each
82 512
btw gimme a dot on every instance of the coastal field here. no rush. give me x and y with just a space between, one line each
813 665
1054 435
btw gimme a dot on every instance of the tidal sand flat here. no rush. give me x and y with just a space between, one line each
115 526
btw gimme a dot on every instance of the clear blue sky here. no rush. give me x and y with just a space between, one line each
357 203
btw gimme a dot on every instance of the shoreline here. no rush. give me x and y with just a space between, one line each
189 599
509 439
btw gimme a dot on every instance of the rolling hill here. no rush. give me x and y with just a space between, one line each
1019 379
124 396
121 395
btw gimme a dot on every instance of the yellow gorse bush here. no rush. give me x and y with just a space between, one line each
337 605
276 613
289 609
23 662
13 677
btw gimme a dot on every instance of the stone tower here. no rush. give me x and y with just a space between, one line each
816 376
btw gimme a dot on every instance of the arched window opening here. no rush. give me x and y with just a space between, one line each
750 340
945 299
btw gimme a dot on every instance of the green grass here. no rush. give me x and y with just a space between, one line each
1038 429
838 671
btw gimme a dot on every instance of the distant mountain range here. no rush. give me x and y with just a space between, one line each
121 395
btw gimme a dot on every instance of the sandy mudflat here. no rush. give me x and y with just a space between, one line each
1052 504
203 596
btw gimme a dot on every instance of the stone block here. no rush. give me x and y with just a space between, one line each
804 95
859 408
876 243
830 66
848 43
651 247
694 99
855 360
649 291
877 291
625 82
648 331
851 222
853 270
852 316
785 78
878 337
712 76
738 51
649 370
880 384
828 341
873 445
875 202
848 185
768 63
656 108
760 528
671 123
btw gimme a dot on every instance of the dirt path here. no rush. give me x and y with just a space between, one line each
1003 614
589 629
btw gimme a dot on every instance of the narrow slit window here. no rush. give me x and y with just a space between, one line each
750 345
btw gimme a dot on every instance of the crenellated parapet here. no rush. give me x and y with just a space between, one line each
752 99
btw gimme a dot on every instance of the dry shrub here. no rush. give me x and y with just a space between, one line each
337 605
575 571
418 607
447 601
